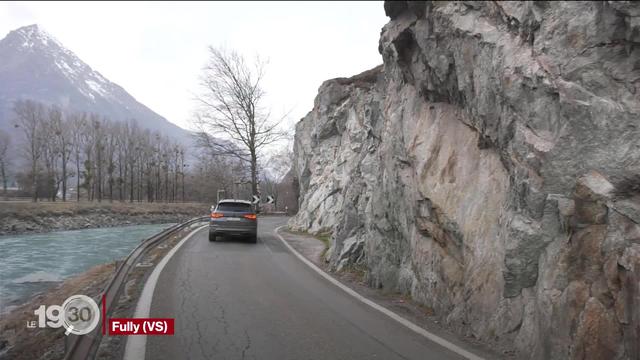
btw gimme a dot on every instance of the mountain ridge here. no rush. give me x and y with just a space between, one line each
37 66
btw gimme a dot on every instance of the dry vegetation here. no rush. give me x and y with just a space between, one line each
24 217
24 343
30 209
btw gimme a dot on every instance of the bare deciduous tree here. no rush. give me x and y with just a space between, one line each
231 105
113 160
78 126
110 148
50 151
29 115
60 128
5 141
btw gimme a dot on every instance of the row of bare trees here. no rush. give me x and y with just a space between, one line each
74 156
120 161
108 160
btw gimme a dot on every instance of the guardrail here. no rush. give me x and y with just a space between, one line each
85 346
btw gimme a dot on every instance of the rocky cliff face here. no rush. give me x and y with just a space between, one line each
489 169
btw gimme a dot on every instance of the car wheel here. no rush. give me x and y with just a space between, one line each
212 237
253 239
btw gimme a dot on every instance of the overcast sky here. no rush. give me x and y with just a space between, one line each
156 50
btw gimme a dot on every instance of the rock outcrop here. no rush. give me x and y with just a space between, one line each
489 169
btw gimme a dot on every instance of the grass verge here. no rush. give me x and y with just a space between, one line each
325 237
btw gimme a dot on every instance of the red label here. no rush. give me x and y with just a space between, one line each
141 326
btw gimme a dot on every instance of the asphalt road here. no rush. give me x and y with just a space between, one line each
235 300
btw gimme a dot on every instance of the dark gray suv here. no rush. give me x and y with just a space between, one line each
235 218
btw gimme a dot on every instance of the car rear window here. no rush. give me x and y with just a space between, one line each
238 207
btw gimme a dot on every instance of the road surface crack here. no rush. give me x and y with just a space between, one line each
247 346
190 309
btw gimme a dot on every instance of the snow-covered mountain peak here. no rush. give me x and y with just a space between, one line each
35 39
35 36
35 65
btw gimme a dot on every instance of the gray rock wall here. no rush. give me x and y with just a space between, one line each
487 169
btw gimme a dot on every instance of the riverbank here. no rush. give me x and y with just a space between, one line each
17 341
26 217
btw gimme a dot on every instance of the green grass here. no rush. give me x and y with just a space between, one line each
325 237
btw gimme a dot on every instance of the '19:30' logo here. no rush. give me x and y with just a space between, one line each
79 315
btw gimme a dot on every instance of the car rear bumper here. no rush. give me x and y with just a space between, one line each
226 230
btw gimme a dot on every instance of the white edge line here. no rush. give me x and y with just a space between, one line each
136 346
415 328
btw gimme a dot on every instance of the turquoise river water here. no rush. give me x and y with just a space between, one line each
31 263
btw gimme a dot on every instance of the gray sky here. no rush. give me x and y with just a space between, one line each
156 50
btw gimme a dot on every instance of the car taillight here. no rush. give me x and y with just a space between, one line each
216 215
250 216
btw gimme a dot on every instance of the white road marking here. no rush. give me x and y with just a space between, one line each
137 345
415 328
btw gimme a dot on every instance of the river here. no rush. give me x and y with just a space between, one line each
31 263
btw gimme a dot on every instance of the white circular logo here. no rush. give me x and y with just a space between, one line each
81 314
